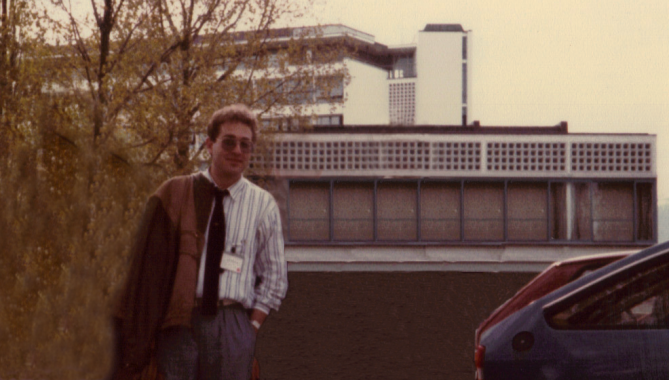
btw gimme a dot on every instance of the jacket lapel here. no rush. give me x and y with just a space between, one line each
203 192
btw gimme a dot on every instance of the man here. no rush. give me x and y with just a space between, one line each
208 266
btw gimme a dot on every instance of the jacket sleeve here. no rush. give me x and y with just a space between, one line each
148 288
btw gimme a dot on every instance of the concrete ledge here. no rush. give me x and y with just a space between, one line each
479 267
433 258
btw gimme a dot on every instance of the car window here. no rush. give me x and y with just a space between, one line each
638 299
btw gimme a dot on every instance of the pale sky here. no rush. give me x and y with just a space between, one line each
600 65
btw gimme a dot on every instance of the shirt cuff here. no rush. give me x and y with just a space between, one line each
262 308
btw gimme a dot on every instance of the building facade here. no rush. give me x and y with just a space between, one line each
405 225
422 83
437 192
401 239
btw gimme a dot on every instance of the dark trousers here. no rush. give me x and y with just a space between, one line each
219 347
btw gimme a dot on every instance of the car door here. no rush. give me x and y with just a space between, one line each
656 357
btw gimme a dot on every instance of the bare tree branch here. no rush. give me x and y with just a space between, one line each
96 14
165 11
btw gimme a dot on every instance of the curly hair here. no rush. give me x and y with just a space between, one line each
232 113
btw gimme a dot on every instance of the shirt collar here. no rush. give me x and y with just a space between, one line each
235 189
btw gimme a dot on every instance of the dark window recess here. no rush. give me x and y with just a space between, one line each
440 211
309 211
291 123
322 89
464 47
404 66
527 216
570 211
329 89
472 211
484 211
329 120
353 209
644 212
613 211
558 219
396 211
578 211
464 83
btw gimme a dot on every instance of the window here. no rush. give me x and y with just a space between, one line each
527 216
300 90
558 211
464 83
353 205
432 210
571 211
309 211
297 91
613 211
329 89
639 299
484 211
404 66
602 211
396 205
289 123
581 212
644 211
329 120
440 211
464 47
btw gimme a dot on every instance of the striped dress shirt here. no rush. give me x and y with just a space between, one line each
253 231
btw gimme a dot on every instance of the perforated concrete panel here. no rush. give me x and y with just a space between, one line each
447 155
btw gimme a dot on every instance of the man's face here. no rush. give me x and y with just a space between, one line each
229 153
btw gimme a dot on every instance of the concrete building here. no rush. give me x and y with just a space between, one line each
401 239
423 83
405 225
526 196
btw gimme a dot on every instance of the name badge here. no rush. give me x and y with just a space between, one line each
231 262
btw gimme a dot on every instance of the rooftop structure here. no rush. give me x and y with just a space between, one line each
423 83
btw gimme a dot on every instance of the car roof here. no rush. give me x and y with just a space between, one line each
595 257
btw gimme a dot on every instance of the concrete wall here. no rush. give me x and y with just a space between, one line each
439 81
366 95
380 325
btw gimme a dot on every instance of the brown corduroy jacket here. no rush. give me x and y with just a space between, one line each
160 290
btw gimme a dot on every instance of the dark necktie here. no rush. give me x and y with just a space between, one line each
215 247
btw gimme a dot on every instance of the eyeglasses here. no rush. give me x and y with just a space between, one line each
229 144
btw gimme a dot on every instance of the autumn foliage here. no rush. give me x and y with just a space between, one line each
98 108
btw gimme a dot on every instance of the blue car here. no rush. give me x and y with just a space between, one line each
610 324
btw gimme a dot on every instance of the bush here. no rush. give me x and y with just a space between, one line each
67 218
